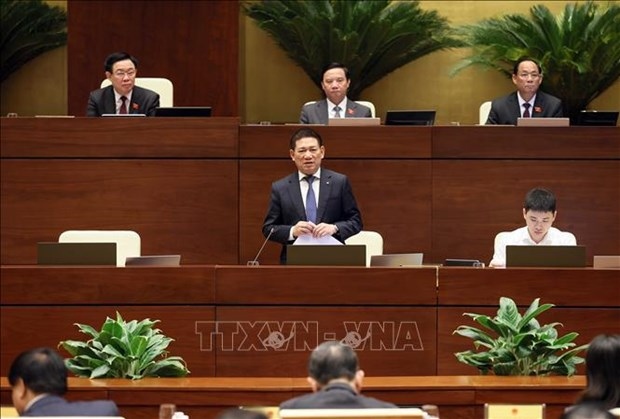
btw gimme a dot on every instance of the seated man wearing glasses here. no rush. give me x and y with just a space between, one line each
123 96
527 101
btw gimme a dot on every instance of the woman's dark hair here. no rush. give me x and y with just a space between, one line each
603 371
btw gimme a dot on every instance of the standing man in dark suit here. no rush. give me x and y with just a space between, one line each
335 84
527 101
123 96
38 380
336 381
294 209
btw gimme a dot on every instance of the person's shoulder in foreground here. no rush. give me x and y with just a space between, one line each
121 70
539 212
335 83
38 379
587 411
336 381
527 75
238 413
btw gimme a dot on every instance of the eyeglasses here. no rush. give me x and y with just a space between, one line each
121 74
527 75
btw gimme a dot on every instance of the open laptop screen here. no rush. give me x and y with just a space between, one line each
410 117
596 118
181 111
546 256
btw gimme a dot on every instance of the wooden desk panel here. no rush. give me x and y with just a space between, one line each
564 287
473 200
394 197
32 326
175 205
501 142
54 285
276 341
458 397
270 285
119 137
376 142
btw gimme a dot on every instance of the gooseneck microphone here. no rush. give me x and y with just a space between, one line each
254 262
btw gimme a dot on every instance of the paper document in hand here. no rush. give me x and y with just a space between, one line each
308 239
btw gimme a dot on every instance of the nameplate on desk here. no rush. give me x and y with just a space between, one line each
326 255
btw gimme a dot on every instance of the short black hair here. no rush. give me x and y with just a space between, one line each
515 69
332 360
603 371
331 66
303 133
116 57
539 199
42 370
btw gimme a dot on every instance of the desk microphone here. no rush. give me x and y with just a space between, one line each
255 261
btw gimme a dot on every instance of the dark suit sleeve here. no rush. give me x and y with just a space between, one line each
351 219
303 118
151 102
93 105
493 118
274 218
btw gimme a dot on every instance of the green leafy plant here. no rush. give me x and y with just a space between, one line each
579 49
28 28
518 345
372 38
123 350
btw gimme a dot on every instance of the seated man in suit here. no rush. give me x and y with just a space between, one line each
527 101
38 380
335 84
336 381
301 206
122 97
539 213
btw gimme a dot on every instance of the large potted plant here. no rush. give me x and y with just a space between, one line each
372 38
579 49
29 28
515 344
123 350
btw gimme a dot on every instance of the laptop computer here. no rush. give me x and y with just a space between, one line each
54 253
410 117
596 118
397 259
184 111
606 262
353 122
543 122
153 260
326 255
546 256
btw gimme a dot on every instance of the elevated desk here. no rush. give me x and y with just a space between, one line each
458 397
228 321
199 187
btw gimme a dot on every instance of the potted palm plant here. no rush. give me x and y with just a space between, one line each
579 49
123 350
372 38
515 344
29 28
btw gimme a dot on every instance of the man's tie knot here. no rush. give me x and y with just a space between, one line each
336 112
526 112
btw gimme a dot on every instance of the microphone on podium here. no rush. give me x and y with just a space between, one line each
254 262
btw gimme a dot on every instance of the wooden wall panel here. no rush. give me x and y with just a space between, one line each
394 198
473 200
34 326
176 206
195 44
276 341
